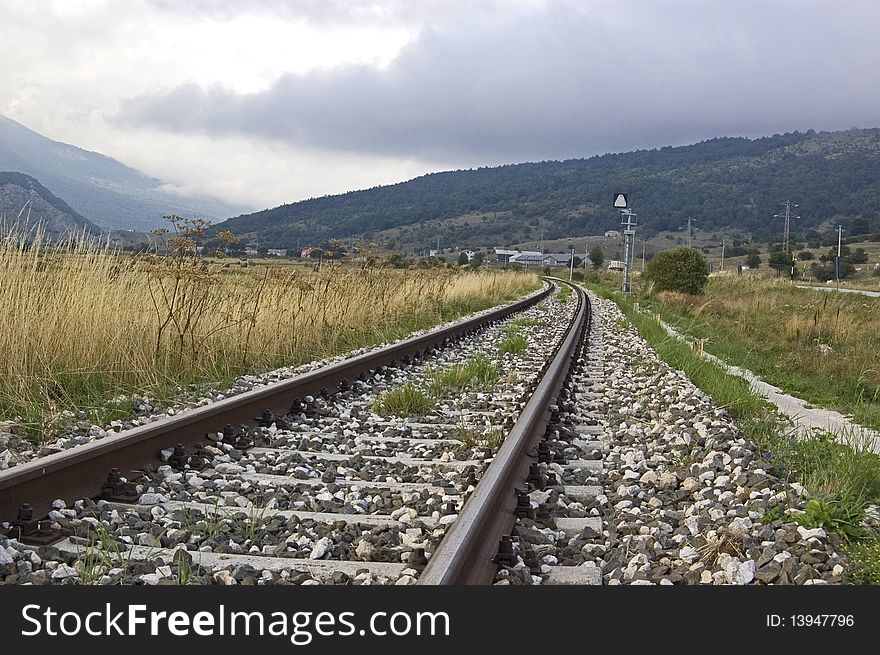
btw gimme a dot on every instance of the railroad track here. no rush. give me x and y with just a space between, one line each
302 482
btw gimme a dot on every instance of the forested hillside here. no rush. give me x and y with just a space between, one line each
733 183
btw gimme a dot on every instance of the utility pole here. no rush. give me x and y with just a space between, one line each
629 232
571 269
722 255
690 230
644 248
837 261
787 229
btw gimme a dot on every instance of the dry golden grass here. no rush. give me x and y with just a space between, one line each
83 323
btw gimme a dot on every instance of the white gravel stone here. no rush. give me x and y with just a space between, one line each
323 546
151 499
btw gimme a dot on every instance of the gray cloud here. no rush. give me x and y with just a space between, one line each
563 82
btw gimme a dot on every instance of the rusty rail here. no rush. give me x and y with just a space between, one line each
467 553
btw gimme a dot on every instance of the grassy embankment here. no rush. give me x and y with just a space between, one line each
83 325
819 346
843 481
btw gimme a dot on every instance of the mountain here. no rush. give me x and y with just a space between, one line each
24 201
98 187
724 183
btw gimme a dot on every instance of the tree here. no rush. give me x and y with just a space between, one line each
462 259
780 262
596 257
859 226
753 260
805 256
681 269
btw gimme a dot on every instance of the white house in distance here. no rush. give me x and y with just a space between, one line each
613 233
615 265
277 252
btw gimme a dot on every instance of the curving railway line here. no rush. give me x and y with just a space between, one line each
304 481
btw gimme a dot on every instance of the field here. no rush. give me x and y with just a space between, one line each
818 346
85 324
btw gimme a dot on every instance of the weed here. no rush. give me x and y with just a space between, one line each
468 436
776 513
564 293
406 400
528 321
477 373
494 437
513 342
865 557
832 516
471 438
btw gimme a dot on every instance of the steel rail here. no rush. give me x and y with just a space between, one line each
466 554
81 471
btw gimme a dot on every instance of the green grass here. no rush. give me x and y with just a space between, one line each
865 556
513 342
406 400
563 293
471 438
528 321
478 373
842 479
793 338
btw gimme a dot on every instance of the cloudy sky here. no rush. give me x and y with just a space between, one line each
263 102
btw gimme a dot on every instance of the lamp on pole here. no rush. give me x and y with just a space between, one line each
571 261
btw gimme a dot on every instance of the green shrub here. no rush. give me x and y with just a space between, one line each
682 269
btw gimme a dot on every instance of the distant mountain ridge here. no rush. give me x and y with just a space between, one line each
728 183
24 201
99 188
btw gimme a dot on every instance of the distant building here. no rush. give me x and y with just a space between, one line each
306 253
277 252
615 265
527 258
470 254
613 233
250 251
504 256
433 252
558 259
